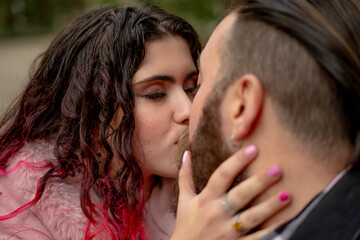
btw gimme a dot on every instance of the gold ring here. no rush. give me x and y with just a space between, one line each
238 225
228 205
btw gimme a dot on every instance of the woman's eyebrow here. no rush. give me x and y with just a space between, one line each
164 78
156 78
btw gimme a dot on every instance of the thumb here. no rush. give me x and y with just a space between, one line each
186 183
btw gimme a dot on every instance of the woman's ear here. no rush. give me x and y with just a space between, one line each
247 102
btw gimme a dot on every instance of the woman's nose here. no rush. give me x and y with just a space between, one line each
182 108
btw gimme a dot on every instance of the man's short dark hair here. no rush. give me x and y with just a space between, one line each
306 54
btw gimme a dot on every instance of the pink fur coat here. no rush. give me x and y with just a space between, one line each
58 215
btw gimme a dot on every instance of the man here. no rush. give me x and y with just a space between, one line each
285 76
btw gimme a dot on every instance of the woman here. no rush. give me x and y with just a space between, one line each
98 127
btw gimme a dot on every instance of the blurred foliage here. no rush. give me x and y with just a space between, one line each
19 17
204 15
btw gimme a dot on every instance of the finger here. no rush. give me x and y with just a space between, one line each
224 175
242 194
254 216
186 183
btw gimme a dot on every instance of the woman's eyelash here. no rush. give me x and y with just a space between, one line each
192 90
155 96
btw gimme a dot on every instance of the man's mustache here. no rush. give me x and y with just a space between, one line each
183 145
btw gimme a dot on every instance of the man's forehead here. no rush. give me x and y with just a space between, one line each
219 36
222 31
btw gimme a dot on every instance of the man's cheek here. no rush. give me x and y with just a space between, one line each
194 119
196 111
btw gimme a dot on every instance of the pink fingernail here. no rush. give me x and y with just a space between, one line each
250 150
273 171
185 155
284 196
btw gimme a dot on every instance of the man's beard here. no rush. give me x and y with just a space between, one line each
208 148
183 145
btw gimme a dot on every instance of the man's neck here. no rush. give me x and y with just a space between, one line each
304 176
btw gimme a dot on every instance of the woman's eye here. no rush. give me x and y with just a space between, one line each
192 90
155 96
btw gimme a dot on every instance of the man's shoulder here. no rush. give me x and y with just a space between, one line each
337 214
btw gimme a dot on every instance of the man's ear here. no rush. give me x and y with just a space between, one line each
248 100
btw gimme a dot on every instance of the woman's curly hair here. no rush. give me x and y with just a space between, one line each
82 79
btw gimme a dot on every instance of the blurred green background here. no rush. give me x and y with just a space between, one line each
24 17
28 26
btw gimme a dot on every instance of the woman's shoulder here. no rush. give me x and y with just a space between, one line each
58 212
27 166
34 152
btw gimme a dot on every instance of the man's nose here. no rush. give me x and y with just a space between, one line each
182 108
